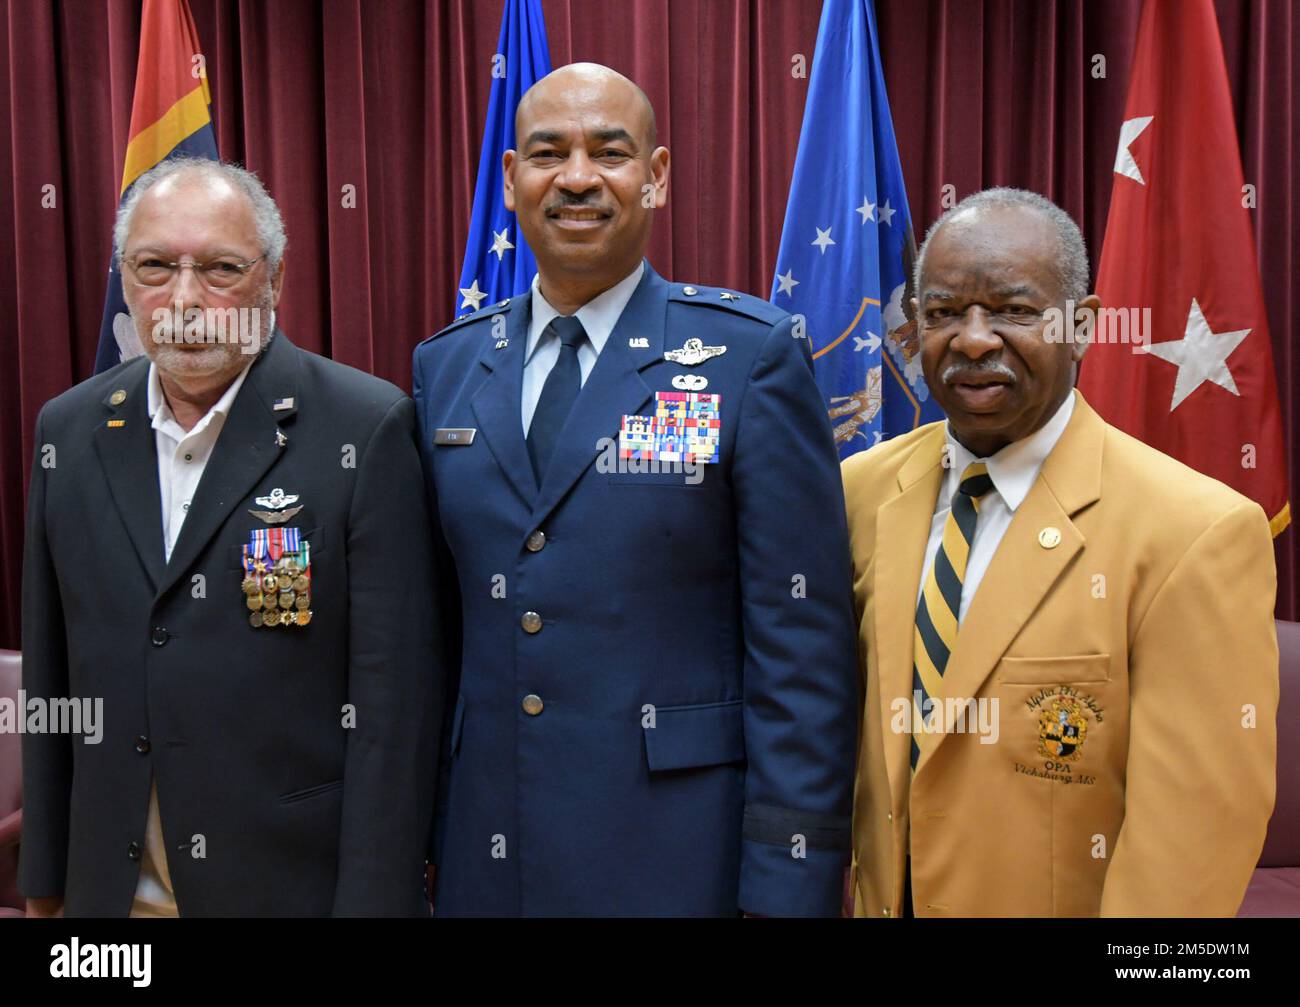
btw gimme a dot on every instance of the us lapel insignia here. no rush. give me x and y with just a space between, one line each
694 352
639 343
277 504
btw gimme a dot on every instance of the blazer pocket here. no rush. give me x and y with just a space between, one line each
703 734
673 480
1054 670
309 792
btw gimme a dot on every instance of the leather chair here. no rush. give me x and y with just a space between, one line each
11 791
1274 888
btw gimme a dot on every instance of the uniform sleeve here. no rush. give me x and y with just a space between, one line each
394 679
1201 770
47 757
799 664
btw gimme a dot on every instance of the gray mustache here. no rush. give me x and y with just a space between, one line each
955 372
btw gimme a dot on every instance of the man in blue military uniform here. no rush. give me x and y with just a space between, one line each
640 498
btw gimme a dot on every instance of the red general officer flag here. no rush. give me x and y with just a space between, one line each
1179 243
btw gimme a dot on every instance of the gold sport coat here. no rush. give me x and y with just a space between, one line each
1124 635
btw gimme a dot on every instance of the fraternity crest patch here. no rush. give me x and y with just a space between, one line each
1064 717
685 427
1062 729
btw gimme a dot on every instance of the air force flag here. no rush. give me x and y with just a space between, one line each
498 263
847 249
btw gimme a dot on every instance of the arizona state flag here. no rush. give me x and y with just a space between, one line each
169 116
1199 383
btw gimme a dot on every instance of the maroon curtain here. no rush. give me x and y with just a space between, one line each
390 97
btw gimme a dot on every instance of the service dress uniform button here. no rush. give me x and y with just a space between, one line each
159 636
133 851
532 622
533 705
536 541
142 745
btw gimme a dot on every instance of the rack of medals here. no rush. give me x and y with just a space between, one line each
277 578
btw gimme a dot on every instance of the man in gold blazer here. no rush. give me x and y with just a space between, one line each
1067 641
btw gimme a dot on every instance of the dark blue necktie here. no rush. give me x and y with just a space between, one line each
558 394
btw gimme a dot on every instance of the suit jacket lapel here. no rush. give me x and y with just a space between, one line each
246 448
130 462
1023 570
614 388
497 402
902 531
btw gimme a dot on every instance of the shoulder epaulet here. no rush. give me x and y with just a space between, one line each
485 312
726 300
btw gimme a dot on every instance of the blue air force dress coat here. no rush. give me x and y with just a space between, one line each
656 707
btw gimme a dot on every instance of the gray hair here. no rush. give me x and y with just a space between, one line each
266 215
1071 265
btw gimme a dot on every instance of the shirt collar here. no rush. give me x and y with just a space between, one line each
598 316
1014 468
160 412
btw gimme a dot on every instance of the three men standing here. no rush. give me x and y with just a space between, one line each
636 512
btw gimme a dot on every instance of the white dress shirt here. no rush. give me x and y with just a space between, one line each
1013 471
598 317
182 456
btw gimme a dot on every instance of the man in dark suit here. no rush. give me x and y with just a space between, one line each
639 491
228 544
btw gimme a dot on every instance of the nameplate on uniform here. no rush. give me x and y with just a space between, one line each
456 436
685 427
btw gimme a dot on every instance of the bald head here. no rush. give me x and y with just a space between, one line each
582 84
584 180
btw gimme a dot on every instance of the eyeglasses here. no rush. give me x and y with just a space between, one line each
220 273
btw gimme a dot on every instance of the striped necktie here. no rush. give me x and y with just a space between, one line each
939 610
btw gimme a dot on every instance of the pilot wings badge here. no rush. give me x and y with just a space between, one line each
278 506
694 352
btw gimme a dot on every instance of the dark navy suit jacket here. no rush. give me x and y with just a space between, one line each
302 810
677 738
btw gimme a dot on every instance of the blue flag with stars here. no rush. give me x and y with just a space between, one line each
498 262
845 264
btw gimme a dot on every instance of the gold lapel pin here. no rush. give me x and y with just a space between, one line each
117 398
1049 538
